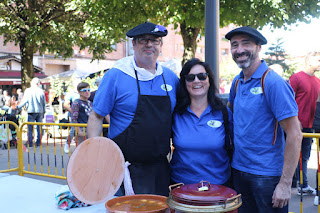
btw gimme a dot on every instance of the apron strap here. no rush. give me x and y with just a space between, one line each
165 85
135 72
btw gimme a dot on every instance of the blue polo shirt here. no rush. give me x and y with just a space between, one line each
253 115
199 152
117 95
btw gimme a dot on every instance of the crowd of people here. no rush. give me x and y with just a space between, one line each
147 105
10 99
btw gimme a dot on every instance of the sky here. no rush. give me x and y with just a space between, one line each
298 40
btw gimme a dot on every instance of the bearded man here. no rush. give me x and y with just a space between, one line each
264 109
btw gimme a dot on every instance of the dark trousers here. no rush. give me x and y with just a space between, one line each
257 192
305 155
34 117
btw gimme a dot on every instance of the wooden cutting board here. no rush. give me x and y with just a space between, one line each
95 170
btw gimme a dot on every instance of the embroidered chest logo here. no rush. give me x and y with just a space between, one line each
256 90
214 123
169 87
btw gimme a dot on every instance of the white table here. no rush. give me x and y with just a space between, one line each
26 195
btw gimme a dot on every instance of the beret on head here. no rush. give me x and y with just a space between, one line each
147 28
255 34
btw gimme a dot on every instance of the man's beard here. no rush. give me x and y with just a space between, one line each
245 63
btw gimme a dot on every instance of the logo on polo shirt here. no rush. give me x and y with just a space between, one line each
169 87
214 123
256 90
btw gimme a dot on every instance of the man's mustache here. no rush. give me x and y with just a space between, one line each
241 54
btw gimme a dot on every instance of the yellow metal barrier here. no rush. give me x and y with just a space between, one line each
316 136
7 144
44 160
53 139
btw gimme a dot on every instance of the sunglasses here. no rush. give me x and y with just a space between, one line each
85 90
201 76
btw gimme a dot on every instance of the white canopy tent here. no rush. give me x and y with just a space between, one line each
68 75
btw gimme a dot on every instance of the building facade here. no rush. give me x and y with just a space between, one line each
47 64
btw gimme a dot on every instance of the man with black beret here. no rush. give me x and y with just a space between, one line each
264 109
139 95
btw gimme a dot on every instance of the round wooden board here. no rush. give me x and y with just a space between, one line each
95 170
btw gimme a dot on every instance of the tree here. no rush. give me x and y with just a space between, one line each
189 15
56 26
276 54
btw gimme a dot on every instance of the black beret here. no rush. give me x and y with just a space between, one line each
248 31
147 28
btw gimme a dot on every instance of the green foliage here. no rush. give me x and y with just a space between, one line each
258 13
276 55
190 15
56 26
58 85
228 70
92 81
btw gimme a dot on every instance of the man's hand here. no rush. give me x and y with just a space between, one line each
281 195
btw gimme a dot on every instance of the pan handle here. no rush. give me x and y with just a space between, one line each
203 187
231 199
175 185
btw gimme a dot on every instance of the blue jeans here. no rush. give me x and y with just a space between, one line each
32 117
256 191
305 155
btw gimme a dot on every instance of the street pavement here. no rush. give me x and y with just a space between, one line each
56 163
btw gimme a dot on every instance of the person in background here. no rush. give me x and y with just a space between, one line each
139 95
14 98
35 100
46 94
316 127
70 97
93 93
7 102
106 120
263 161
2 100
307 89
81 109
198 129
20 95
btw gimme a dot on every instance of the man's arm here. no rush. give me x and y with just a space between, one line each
94 124
107 117
24 100
230 106
66 105
282 193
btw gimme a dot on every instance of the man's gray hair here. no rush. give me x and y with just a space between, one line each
35 82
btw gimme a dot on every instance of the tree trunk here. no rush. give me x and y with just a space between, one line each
27 71
189 36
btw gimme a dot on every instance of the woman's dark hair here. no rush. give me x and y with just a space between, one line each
183 98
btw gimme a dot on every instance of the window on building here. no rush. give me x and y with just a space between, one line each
130 47
199 49
114 47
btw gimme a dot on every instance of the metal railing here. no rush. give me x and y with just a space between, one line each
49 158
50 155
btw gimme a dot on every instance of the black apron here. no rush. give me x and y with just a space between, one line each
145 143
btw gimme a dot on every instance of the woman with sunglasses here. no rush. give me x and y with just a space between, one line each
81 109
198 129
